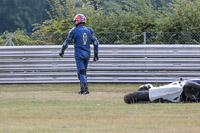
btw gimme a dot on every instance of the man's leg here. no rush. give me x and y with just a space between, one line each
80 64
86 61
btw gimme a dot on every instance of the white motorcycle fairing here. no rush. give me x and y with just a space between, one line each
171 92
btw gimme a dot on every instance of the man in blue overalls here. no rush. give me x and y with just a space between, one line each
82 37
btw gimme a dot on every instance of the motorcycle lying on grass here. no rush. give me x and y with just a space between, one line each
179 91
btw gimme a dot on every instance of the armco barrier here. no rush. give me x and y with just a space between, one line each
117 64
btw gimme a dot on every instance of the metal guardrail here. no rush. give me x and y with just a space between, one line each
117 64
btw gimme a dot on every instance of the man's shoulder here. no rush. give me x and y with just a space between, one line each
90 29
83 28
72 30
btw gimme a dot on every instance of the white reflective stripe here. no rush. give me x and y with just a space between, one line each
71 29
64 43
95 40
95 43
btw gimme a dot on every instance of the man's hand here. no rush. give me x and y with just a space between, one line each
96 57
61 53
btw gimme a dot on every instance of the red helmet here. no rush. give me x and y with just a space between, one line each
79 18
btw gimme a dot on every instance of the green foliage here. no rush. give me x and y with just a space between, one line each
21 14
180 16
21 38
121 22
3 39
61 14
127 18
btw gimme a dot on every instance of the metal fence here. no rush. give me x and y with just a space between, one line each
57 38
117 64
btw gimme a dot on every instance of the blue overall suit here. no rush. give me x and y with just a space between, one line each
82 37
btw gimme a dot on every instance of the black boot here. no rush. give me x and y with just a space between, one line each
84 89
81 91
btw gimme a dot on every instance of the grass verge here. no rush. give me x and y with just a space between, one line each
57 108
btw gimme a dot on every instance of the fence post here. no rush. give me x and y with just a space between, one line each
10 40
145 41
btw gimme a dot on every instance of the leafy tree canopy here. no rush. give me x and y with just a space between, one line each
102 16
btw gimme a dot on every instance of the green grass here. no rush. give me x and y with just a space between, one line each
57 108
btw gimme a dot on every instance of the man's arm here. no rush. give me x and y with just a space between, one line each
96 46
66 43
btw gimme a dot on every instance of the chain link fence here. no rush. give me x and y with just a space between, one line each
57 38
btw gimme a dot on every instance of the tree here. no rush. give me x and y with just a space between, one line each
181 16
21 14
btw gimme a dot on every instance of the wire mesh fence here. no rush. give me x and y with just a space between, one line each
173 38
57 38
